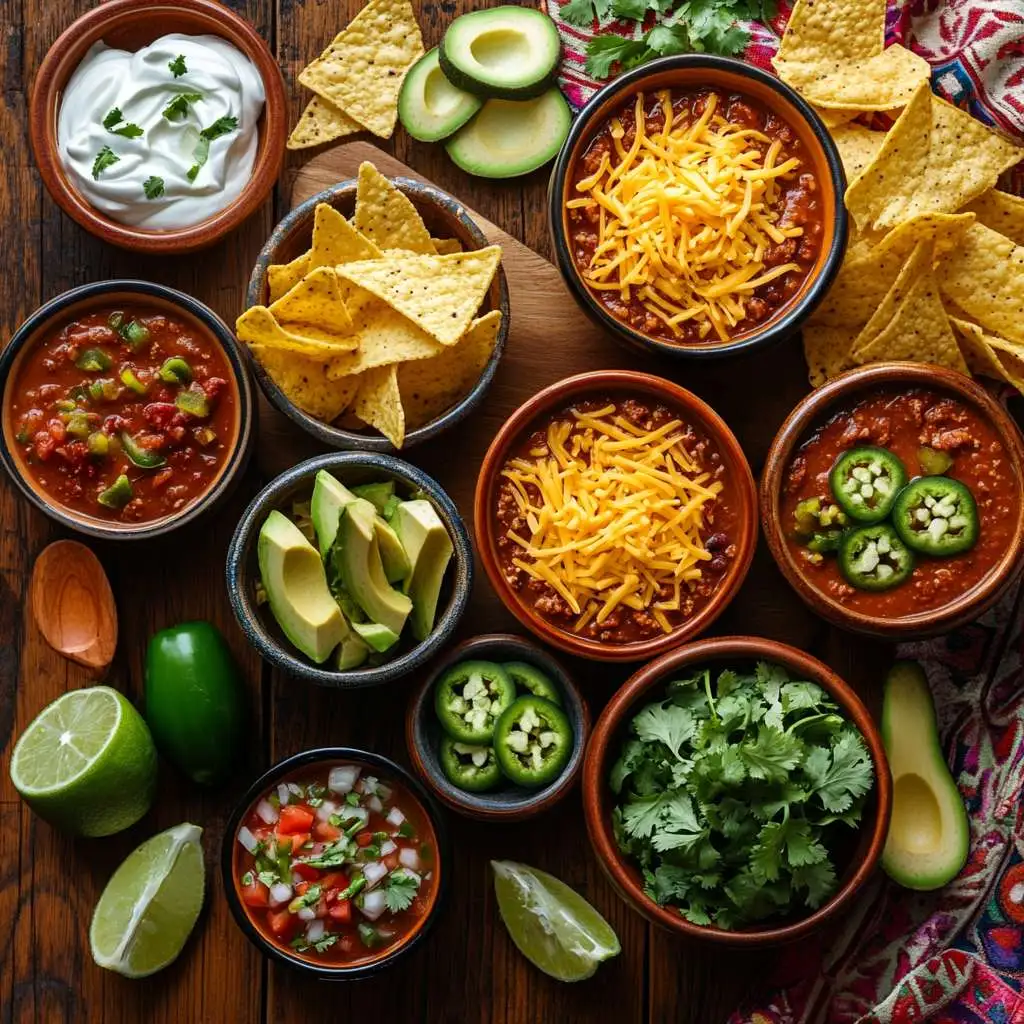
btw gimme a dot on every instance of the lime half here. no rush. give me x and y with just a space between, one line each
555 928
150 904
86 763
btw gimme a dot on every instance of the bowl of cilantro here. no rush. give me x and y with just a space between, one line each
737 790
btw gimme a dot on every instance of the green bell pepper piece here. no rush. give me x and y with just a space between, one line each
193 402
142 457
118 494
176 371
131 381
93 360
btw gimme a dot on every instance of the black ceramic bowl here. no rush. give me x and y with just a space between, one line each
104 295
231 852
350 468
725 75
445 217
508 802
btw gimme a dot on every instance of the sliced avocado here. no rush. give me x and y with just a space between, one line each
429 548
392 554
376 493
507 52
379 637
429 106
359 564
352 652
929 838
330 496
293 577
507 139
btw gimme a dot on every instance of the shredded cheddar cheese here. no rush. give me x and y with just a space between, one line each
616 515
686 215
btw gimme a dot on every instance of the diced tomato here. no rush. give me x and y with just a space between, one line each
305 872
334 880
294 819
300 888
297 841
364 839
390 861
151 442
256 894
281 922
326 831
341 912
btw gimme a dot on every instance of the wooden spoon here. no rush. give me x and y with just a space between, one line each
73 604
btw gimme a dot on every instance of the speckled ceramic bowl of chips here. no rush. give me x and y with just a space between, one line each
438 395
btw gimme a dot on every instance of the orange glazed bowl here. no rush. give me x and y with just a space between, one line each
855 863
728 524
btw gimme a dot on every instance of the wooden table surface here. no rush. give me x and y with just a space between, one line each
469 971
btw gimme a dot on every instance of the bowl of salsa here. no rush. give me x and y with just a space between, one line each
335 862
615 515
892 500
127 409
696 208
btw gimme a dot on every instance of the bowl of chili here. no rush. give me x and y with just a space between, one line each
127 409
335 863
501 789
892 500
615 515
854 853
696 208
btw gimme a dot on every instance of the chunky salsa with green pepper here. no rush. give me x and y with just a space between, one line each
124 414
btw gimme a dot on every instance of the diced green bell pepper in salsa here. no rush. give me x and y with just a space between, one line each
98 443
118 494
205 436
78 423
135 333
193 402
176 371
130 380
144 458
934 462
93 360
103 389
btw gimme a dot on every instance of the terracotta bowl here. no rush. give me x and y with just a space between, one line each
242 569
644 687
231 851
597 384
840 393
695 71
130 25
445 217
104 294
508 802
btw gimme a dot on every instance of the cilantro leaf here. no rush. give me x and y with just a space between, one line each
666 723
399 891
818 879
178 66
114 118
177 109
642 814
772 755
582 13
633 9
603 52
153 187
848 776
105 158
222 126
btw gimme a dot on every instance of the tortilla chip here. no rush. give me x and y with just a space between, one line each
857 146
827 351
304 382
316 301
1001 212
985 278
446 246
282 277
819 31
362 70
981 353
441 294
835 118
336 241
386 216
935 159
430 386
379 403
384 336
321 122
258 326
916 264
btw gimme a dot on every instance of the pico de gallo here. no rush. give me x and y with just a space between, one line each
336 865
124 414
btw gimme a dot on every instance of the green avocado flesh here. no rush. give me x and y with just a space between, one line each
330 496
507 139
508 52
429 106
429 547
929 837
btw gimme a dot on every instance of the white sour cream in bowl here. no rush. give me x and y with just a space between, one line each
163 138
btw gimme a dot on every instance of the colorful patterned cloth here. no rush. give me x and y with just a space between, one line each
955 956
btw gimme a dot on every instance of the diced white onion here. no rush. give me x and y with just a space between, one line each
375 805
388 846
307 914
296 877
247 839
315 931
368 785
343 778
409 858
294 787
267 812
280 893
351 813
395 816
384 792
374 872
283 794
325 810
372 904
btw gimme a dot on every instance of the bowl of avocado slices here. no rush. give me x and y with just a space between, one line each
350 569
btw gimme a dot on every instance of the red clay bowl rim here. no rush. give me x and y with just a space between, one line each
717 430
217 331
539 800
656 673
44 105
811 410
775 329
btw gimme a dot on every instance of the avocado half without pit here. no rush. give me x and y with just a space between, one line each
929 836
430 107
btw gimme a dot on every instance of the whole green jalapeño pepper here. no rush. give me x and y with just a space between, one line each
865 482
533 741
936 516
470 698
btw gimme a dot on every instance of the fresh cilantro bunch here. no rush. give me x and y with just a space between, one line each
732 796
691 26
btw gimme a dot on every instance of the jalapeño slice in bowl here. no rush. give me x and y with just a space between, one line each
469 766
936 516
865 482
529 679
533 741
874 558
470 698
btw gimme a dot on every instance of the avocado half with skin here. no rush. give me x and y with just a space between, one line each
429 106
929 836
506 52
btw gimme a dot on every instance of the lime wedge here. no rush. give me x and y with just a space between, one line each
86 763
553 926
150 904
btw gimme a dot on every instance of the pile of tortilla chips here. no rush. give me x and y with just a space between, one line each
934 271
358 77
377 322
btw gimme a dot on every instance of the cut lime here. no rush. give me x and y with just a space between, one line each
150 905
86 763
554 927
